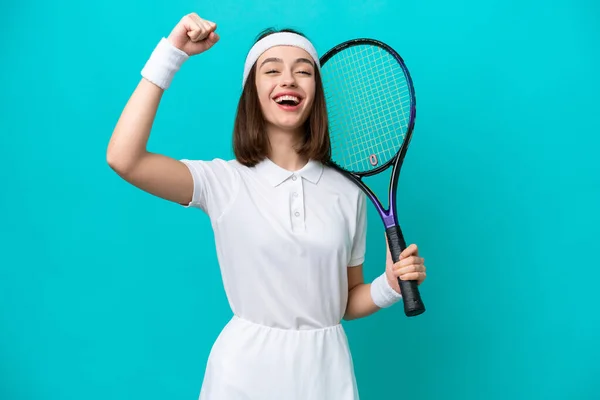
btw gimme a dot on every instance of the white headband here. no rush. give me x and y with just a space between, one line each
278 39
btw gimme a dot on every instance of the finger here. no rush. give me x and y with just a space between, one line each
214 37
409 269
206 27
409 251
412 260
197 29
197 20
192 22
413 276
194 30
199 34
210 26
211 40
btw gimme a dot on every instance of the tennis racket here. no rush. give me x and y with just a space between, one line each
371 106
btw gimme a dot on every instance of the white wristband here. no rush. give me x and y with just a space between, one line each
163 63
382 293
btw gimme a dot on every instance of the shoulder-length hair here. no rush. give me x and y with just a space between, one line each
250 141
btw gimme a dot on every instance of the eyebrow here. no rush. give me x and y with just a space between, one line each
279 60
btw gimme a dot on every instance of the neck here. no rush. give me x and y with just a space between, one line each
283 148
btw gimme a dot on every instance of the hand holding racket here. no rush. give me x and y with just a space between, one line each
411 266
371 107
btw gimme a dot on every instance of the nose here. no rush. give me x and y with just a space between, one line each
288 79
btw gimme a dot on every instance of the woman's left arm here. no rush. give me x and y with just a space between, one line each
360 297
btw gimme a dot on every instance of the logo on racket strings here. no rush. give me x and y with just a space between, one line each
373 160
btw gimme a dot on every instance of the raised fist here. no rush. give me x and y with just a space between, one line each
194 35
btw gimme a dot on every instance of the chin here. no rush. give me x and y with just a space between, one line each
290 125
287 121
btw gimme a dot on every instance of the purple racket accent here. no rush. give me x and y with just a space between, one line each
388 216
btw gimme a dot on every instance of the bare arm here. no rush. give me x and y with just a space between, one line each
360 304
127 152
127 155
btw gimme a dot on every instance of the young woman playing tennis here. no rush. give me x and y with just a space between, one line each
290 232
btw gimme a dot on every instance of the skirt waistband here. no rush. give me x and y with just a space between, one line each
237 318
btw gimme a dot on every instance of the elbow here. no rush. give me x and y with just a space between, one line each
122 158
111 160
348 315
115 162
119 163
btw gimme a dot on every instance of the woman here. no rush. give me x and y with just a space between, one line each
290 232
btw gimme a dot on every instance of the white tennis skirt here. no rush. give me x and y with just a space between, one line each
256 362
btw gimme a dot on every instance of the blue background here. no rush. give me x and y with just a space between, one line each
109 293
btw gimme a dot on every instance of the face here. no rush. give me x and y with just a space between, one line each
285 81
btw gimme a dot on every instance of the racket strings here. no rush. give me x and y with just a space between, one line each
368 102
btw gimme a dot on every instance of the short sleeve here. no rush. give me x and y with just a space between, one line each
215 185
359 243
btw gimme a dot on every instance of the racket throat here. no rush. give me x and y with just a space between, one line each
389 221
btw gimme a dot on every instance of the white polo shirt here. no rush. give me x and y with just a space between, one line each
284 242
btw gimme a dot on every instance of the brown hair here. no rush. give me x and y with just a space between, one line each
250 140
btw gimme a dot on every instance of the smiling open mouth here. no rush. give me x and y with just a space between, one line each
288 101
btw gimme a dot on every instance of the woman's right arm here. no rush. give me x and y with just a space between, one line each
127 152
159 175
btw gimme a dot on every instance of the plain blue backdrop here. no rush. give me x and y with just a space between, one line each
109 293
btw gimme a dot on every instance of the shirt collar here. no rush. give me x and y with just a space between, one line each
276 175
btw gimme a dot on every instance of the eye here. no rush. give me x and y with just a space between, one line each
271 71
305 73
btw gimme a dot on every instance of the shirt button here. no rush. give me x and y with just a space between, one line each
294 194
297 214
294 177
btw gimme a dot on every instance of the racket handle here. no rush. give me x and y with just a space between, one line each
413 305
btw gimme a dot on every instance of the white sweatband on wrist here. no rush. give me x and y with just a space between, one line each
163 63
382 293
278 39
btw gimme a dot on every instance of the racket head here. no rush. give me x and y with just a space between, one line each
371 106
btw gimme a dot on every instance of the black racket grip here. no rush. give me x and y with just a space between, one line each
413 305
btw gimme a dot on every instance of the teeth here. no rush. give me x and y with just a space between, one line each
290 98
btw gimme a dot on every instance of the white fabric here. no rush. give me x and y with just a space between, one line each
382 293
284 243
278 39
163 63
